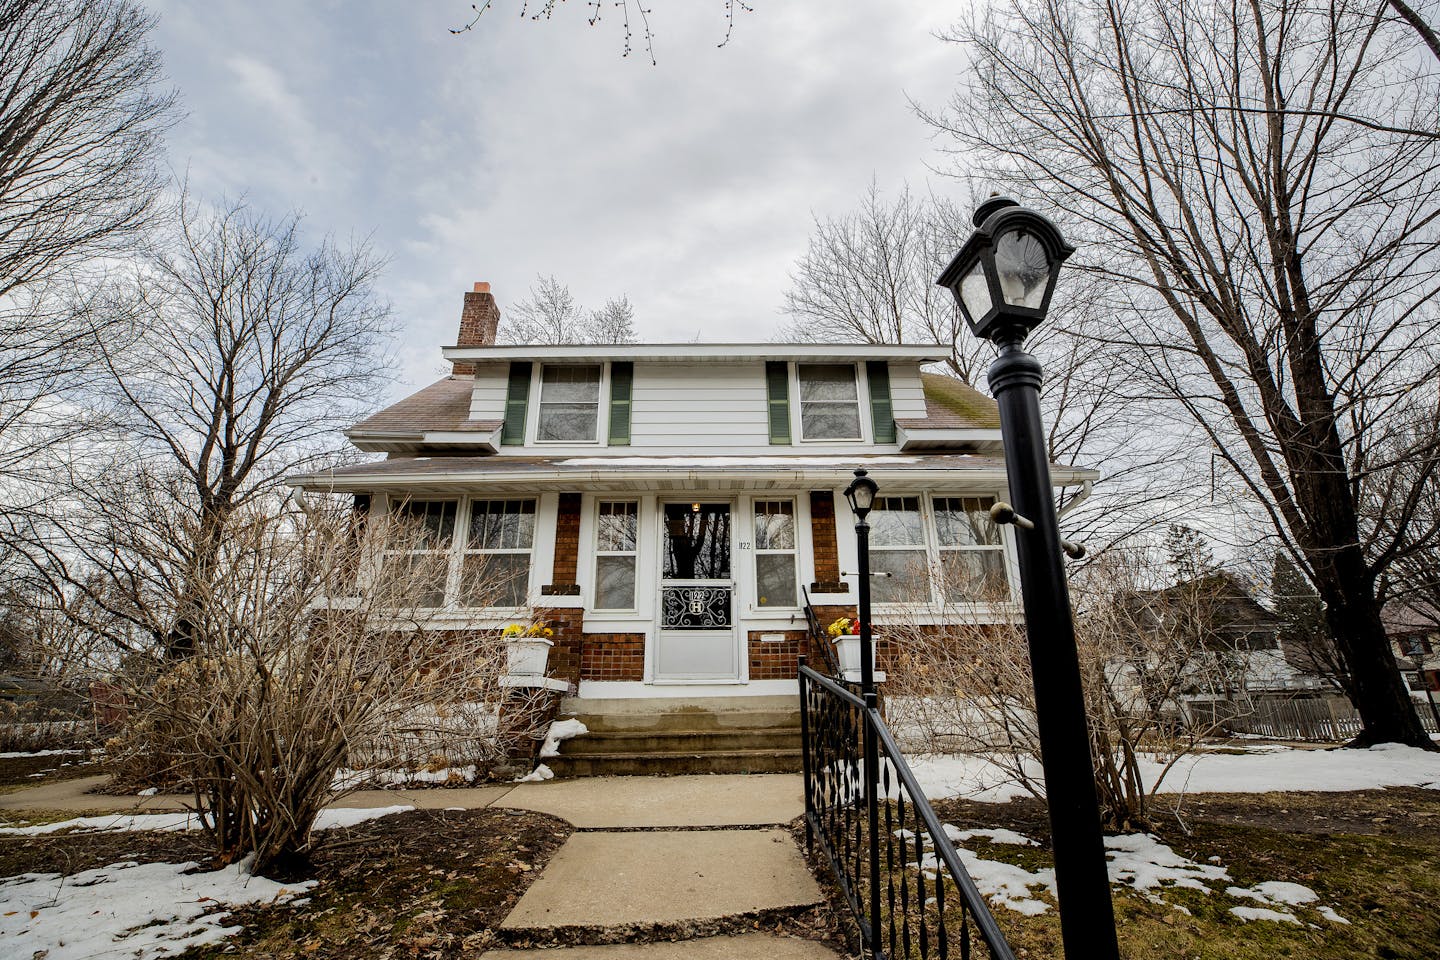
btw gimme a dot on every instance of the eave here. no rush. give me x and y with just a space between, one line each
702 352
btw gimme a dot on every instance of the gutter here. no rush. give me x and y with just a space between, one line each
1086 486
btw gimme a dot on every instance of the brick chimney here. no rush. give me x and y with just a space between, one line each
479 319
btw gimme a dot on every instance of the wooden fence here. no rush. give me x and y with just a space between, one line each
1311 718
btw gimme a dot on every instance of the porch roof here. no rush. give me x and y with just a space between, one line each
640 473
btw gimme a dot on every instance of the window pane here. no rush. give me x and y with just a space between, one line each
908 580
614 583
430 522
975 575
827 381
494 579
567 421
417 578
697 542
775 525
502 524
965 522
617 527
895 521
570 384
775 579
830 421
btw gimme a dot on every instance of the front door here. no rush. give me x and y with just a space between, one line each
696 635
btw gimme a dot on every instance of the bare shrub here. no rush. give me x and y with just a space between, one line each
300 669
965 687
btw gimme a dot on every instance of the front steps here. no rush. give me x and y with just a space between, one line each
670 736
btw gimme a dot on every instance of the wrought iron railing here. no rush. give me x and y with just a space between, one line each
895 866
819 640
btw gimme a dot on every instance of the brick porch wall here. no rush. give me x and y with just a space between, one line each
823 542
613 656
567 541
776 661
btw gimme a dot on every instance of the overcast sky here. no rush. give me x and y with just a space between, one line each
522 148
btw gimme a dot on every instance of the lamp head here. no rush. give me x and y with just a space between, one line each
1004 275
861 493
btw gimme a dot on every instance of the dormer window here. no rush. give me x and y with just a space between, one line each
829 401
569 403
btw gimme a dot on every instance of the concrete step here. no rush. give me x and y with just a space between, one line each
690 721
685 741
678 704
670 763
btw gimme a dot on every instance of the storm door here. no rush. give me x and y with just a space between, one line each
696 635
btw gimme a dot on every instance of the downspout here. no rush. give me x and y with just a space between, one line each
298 495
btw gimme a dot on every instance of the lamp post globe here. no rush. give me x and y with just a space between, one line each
861 493
1004 275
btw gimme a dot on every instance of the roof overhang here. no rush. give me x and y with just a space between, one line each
651 474
703 352
914 438
485 440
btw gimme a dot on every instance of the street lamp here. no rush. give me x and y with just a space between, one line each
1417 657
861 494
1003 278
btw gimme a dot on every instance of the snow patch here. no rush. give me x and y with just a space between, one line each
128 910
538 775
1000 835
1276 892
328 819
1262 913
561 730
1143 862
19 754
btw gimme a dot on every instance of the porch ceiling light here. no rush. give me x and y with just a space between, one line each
1005 273
861 493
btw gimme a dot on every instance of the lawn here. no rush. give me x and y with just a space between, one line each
32 769
1370 857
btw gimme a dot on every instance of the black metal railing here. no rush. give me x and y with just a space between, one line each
819 639
896 868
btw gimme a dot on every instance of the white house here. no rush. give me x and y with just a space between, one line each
666 508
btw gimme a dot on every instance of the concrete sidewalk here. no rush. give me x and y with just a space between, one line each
637 862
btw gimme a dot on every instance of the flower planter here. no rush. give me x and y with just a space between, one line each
847 655
526 656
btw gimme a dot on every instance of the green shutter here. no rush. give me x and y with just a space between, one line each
777 387
517 394
882 413
622 376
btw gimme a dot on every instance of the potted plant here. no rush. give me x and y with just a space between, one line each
845 634
527 648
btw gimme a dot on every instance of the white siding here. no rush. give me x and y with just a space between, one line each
907 394
710 407
488 400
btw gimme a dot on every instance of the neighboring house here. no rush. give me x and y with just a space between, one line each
1238 659
666 508
1414 636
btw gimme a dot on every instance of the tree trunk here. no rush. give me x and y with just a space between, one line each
1353 613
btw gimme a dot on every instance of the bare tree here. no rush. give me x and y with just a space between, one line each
551 315
81 120
1257 185
241 354
868 276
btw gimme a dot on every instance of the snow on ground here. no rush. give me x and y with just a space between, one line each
127 910
978 777
561 730
18 754
330 819
1138 861
538 775
345 778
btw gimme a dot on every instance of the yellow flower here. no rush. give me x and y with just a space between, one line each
514 630
839 627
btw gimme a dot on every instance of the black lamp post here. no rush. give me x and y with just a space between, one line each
861 494
1003 278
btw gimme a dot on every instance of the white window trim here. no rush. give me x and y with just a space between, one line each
592 510
751 554
862 403
457 563
602 406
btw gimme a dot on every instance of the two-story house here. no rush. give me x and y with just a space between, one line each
666 508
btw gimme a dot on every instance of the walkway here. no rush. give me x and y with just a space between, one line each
673 857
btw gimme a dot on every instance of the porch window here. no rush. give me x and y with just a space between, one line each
829 401
617 528
897 548
495 568
569 403
775 553
426 532
972 555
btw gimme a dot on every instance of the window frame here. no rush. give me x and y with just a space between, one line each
757 552
597 553
395 508
934 593
465 550
941 549
797 408
537 401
